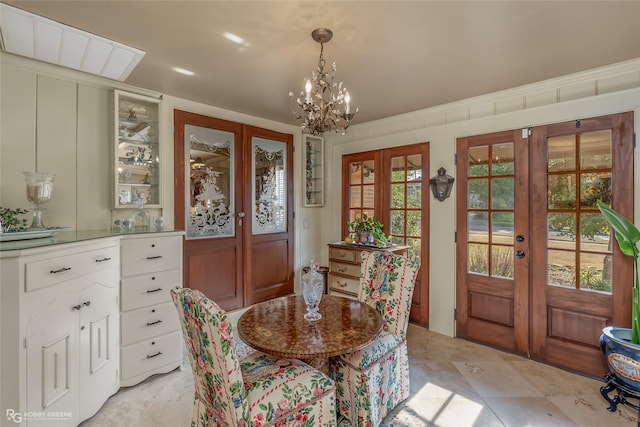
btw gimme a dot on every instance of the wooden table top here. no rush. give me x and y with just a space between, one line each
278 327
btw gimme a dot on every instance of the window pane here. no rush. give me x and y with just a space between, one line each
414 167
414 250
562 191
561 230
502 193
478 161
478 194
595 272
561 153
414 195
413 223
502 261
397 169
397 195
502 159
561 268
595 186
478 261
478 227
368 173
356 172
397 222
368 198
595 150
502 228
355 198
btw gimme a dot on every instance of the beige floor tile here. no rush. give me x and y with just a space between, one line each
553 381
528 412
496 379
455 410
589 410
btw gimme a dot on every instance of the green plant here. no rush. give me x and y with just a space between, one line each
9 221
628 237
368 224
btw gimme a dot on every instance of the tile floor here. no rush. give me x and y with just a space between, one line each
454 383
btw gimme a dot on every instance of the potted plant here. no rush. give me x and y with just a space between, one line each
9 221
621 346
368 230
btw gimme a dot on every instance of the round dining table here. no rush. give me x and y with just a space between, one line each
278 327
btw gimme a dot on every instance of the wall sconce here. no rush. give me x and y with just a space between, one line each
441 184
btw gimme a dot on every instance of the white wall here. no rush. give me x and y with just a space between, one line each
596 92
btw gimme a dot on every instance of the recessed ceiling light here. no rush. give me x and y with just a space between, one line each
183 71
36 37
234 38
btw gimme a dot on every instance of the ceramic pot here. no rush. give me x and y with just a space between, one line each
364 237
623 357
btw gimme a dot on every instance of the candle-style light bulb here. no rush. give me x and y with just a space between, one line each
347 101
307 89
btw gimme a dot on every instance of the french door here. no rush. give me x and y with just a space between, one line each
234 197
538 271
392 185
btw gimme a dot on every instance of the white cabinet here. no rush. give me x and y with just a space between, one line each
150 330
137 151
60 331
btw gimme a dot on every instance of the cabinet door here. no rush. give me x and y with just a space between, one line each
137 152
52 360
99 356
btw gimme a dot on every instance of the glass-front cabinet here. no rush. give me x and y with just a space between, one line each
313 168
137 151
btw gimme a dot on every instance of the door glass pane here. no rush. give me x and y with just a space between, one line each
595 150
368 196
356 173
595 272
593 187
478 194
355 198
594 232
502 193
211 175
269 210
502 159
414 195
502 261
561 230
561 268
397 222
502 228
479 161
397 196
414 167
414 252
478 227
413 223
478 258
397 169
561 153
561 191
368 172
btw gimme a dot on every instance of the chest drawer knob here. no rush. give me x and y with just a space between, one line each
103 259
154 257
86 303
150 291
154 323
76 307
151 356
342 285
63 269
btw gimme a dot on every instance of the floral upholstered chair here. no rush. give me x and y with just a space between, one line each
258 390
372 380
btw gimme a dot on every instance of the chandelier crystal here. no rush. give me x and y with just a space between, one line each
323 105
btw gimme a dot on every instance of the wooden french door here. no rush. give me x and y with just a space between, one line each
392 185
538 272
234 198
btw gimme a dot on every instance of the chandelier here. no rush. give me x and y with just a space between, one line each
323 104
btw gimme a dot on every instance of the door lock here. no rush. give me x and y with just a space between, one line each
520 254
519 238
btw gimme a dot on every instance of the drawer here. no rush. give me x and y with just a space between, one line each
148 289
344 284
148 322
346 254
149 254
43 273
150 354
343 268
340 294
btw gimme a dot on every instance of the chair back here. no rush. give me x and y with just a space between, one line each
387 281
212 352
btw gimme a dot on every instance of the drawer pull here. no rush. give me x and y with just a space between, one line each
76 307
61 270
154 323
341 269
154 257
150 356
342 285
103 259
86 303
150 291
341 254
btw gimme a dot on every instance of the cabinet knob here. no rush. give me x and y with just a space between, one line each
86 303
82 328
77 307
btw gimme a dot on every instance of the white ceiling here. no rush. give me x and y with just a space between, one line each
393 56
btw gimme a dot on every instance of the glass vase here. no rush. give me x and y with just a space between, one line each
312 288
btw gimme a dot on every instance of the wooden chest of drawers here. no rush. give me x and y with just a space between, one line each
344 267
